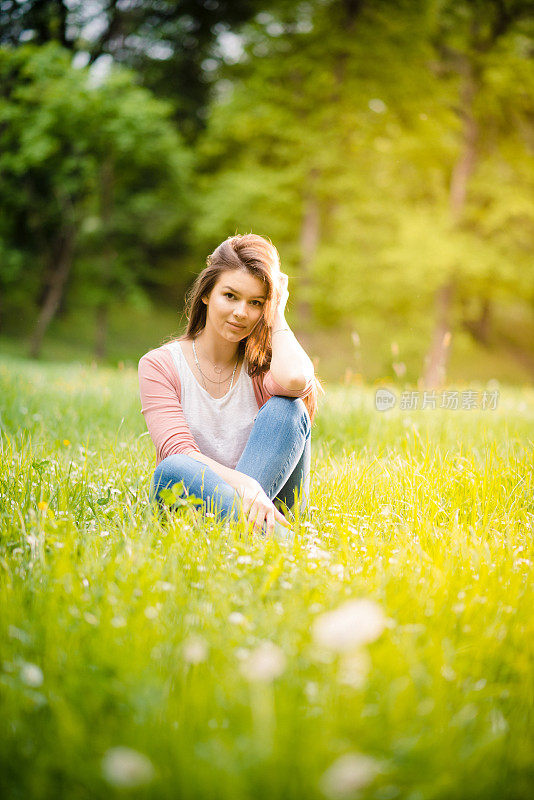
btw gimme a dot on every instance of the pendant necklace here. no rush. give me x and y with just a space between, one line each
218 370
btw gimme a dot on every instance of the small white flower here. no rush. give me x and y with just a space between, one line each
122 766
448 673
354 668
311 690
353 624
237 618
195 650
337 571
346 776
264 664
31 675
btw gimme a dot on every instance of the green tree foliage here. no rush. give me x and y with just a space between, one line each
348 136
170 45
93 184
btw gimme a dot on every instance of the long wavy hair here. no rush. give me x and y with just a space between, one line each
259 257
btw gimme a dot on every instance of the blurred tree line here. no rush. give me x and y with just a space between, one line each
386 147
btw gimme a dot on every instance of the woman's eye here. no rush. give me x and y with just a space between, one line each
228 294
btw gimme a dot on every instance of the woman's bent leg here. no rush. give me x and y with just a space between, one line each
278 450
299 481
199 480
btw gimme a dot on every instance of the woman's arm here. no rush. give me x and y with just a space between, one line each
161 406
290 366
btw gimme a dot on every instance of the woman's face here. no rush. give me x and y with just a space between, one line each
235 304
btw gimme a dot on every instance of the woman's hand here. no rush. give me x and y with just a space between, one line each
257 507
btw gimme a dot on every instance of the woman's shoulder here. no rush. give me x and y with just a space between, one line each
160 359
161 353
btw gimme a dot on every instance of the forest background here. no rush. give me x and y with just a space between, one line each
385 146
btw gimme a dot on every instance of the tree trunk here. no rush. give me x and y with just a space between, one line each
436 359
515 351
437 356
108 254
101 334
60 271
480 327
309 241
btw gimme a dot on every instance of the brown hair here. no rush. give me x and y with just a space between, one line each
258 256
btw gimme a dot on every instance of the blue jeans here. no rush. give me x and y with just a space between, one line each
277 454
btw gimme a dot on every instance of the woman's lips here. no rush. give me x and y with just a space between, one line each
237 327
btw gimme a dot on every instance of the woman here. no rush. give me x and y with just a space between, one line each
228 405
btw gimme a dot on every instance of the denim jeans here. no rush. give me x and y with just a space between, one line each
277 454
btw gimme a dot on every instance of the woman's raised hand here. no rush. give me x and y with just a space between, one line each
257 508
283 293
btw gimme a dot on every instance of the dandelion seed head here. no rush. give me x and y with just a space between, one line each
237 618
122 766
347 775
264 664
31 675
195 650
353 624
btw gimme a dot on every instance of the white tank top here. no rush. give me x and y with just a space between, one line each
220 426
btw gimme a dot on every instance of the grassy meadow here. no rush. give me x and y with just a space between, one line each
386 652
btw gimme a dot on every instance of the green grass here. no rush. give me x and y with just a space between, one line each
122 630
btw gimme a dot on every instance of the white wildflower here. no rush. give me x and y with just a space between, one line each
165 586
346 776
337 571
31 675
264 664
195 650
353 624
448 673
237 618
122 766
311 690
354 668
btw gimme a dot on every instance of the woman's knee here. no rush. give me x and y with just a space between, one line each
173 469
219 498
287 411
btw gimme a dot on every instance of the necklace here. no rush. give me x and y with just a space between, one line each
219 370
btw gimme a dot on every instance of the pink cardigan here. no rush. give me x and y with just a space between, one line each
160 391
